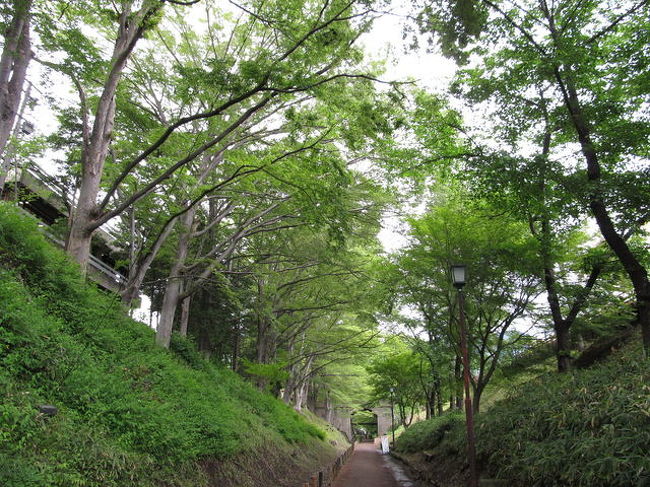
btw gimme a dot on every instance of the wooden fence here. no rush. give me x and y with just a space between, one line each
325 477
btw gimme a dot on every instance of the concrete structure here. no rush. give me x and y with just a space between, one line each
40 195
384 422
341 417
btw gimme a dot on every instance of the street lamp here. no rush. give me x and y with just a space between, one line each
458 276
392 414
458 273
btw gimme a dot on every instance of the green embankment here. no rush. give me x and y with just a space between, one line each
586 428
129 413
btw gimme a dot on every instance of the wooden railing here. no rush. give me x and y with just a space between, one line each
325 477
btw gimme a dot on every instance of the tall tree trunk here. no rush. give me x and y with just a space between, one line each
265 345
95 148
236 344
10 149
288 389
633 267
303 389
329 411
138 270
562 337
478 393
292 380
452 390
563 325
16 55
185 315
563 347
458 383
132 289
174 282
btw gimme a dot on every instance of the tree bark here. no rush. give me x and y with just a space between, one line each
633 267
185 315
303 388
563 325
138 270
265 345
476 400
16 55
236 344
83 221
563 347
174 281
458 383
10 149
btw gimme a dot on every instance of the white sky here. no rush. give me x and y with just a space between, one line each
431 71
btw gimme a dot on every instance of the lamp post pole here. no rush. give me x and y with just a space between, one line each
392 414
458 273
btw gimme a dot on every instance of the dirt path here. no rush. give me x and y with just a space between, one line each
368 468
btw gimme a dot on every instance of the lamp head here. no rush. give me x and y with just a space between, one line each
459 275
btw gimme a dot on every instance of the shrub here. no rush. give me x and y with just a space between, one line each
429 434
588 428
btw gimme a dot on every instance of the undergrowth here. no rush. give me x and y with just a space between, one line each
585 428
129 413
426 435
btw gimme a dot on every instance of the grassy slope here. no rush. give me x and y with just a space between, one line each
587 428
130 413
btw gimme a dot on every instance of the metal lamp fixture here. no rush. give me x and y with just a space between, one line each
459 277
458 274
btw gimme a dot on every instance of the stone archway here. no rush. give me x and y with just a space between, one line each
384 420
364 424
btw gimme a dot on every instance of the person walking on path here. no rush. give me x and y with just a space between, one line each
366 468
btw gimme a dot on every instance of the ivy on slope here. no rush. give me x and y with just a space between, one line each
130 413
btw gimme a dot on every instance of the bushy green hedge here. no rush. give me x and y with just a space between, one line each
426 435
130 413
588 428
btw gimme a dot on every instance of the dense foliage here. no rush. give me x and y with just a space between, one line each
130 413
426 435
586 428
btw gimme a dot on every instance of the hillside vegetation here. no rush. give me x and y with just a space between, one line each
129 412
586 428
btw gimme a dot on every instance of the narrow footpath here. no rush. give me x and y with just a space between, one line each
369 468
